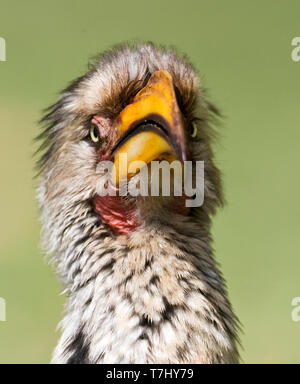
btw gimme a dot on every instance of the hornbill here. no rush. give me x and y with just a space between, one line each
141 280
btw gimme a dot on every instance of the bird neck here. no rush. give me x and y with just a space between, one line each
154 295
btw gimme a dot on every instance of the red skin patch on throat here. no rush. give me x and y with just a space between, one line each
120 214
117 213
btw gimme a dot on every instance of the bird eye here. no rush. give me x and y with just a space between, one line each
94 133
194 130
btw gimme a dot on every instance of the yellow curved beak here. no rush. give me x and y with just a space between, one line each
150 128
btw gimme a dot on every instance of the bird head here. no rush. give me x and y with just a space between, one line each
138 104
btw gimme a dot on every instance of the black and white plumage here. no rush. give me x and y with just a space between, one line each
152 293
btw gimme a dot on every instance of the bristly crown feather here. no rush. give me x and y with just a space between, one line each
155 295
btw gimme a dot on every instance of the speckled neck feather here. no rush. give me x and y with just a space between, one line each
152 296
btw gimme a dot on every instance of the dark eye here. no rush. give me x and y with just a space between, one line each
94 134
194 130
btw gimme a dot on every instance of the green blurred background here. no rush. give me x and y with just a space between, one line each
242 50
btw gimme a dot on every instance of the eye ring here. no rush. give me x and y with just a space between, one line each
194 130
94 133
